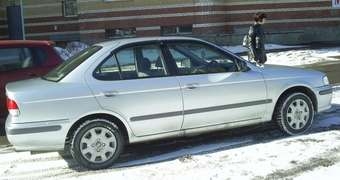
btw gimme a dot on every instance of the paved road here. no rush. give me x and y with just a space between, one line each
331 68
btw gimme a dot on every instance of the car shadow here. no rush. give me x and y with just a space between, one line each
182 148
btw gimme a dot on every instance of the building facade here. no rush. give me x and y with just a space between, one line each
222 21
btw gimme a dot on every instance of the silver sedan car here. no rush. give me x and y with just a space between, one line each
141 89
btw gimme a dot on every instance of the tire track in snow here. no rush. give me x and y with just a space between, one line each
325 159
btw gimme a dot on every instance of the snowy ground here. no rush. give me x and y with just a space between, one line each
294 57
246 153
302 57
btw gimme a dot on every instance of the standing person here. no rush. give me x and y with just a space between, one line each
256 35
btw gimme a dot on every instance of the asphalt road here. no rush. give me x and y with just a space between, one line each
331 68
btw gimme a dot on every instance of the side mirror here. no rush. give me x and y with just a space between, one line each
243 66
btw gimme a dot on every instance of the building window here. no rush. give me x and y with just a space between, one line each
176 30
70 8
120 33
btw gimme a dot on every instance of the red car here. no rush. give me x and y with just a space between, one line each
23 59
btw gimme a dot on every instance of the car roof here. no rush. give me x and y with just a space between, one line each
25 42
120 42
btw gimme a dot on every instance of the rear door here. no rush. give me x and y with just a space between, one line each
19 63
214 91
134 83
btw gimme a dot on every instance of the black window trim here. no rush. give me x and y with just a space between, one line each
131 45
169 63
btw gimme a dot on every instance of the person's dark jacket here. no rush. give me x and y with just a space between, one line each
257 42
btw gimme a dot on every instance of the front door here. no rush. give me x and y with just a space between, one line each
214 91
134 83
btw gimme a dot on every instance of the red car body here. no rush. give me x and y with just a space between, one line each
24 59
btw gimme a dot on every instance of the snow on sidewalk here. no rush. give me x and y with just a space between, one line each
302 57
241 49
294 57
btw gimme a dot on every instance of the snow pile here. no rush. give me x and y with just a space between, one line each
241 49
294 57
301 57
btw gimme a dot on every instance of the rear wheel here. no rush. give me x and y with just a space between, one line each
294 113
97 144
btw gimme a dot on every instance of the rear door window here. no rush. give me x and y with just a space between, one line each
21 58
145 61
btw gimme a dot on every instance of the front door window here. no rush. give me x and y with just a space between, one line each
195 58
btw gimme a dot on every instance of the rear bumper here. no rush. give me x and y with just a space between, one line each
324 96
37 136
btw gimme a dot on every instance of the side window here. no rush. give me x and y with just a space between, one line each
151 62
15 58
132 63
197 58
127 62
108 70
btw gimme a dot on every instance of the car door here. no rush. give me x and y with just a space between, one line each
134 83
18 63
214 90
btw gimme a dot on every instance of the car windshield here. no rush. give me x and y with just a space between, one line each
62 70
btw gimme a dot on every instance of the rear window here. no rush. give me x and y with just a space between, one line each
21 58
65 68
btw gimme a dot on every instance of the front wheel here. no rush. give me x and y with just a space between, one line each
294 113
97 144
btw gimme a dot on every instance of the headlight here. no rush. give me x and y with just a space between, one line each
325 80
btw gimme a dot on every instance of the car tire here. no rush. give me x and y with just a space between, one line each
97 144
294 113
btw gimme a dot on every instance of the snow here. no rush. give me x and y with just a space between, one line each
302 57
241 49
329 173
240 163
294 57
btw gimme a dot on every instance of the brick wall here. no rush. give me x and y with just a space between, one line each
223 21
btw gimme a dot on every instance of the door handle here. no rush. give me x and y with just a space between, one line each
192 86
110 93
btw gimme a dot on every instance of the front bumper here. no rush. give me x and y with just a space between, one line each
37 136
324 96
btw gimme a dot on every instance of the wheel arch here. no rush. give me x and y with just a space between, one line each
114 119
302 89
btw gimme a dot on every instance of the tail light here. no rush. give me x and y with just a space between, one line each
12 107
